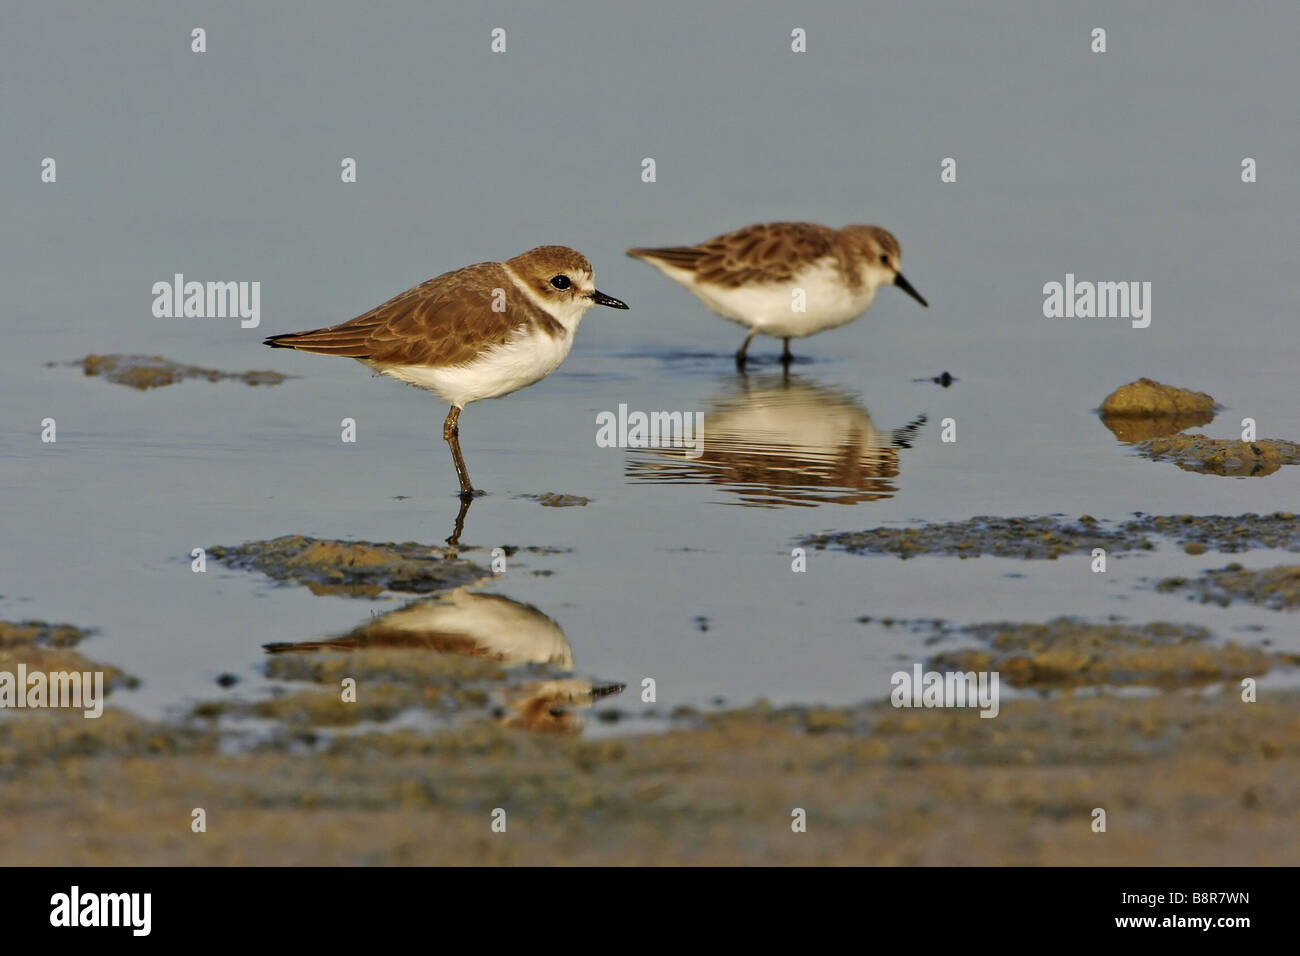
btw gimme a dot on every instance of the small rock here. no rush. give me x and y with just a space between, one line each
1147 409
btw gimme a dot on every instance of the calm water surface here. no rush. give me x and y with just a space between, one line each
225 167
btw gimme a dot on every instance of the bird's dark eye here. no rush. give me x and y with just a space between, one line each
560 282
884 258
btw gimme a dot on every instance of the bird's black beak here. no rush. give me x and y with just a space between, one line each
601 299
906 287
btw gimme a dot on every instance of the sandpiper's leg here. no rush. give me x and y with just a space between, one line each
451 435
740 356
786 357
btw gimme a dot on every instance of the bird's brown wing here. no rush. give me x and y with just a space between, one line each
447 320
768 252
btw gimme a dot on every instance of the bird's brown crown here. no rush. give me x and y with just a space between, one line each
547 261
871 241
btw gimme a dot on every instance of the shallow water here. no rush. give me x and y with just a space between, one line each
678 570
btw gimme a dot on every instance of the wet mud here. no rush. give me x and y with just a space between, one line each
395 742
1277 588
1218 456
1066 653
878 785
153 371
555 500
354 568
1051 537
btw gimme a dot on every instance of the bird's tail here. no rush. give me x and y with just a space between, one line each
284 341
351 340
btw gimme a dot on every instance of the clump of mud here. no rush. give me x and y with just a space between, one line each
1230 533
1147 409
1050 537
1066 653
1151 415
1277 588
40 634
1046 537
355 568
1220 456
54 737
153 371
555 500
47 648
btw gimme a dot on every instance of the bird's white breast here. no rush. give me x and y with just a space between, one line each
771 308
527 357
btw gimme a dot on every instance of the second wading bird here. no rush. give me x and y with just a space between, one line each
480 332
786 279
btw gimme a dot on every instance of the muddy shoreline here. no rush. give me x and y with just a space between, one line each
426 718
878 785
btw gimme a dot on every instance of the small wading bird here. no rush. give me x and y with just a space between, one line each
753 276
480 332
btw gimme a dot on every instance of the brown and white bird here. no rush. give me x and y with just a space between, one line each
754 276
480 332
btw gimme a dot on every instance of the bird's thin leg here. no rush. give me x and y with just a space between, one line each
451 427
786 357
451 435
453 542
740 356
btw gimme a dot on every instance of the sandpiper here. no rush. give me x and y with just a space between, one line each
479 332
786 279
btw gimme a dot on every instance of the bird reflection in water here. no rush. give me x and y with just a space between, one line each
782 440
491 627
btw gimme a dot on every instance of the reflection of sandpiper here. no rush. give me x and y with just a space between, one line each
488 626
785 441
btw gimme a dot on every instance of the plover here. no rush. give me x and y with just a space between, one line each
754 276
480 332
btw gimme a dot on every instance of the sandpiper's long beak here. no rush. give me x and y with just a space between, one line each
601 299
907 287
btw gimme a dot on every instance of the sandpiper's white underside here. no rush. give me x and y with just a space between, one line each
768 309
